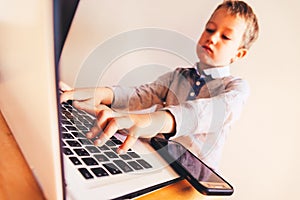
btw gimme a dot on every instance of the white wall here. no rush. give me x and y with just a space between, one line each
261 157
262 153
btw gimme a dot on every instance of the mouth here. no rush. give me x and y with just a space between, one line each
207 49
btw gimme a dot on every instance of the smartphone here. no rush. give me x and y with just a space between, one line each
190 167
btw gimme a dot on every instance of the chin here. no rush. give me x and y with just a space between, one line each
206 59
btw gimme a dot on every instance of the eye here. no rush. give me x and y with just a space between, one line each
209 30
225 37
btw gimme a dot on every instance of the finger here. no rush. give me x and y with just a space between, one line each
86 106
94 132
64 87
83 94
128 143
104 114
110 129
67 95
102 117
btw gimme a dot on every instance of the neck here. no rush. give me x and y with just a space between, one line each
204 66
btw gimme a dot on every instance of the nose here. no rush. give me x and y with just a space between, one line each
213 38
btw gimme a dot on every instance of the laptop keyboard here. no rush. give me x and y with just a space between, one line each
90 160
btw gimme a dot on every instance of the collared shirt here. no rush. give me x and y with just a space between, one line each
219 72
201 124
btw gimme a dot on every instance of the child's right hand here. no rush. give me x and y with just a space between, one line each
88 98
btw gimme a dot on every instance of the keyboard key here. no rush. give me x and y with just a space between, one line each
71 128
144 163
125 157
113 138
85 173
89 161
67 151
82 128
135 165
80 112
101 158
110 143
63 129
88 118
99 172
111 154
114 149
92 149
67 114
122 165
117 142
75 160
64 118
113 169
67 105
85 141
81 152
67 136
133 154
78 134
88 124
66 122
104 148
73 143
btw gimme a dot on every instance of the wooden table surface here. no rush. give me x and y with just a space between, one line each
17 181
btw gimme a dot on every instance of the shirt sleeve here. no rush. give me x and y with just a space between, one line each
144 96
210 115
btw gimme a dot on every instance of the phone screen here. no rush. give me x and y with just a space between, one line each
192 164
208 181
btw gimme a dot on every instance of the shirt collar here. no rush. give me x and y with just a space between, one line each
218 72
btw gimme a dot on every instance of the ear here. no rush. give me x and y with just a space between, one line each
241 53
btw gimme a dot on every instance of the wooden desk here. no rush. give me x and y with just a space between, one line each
17 181
16 178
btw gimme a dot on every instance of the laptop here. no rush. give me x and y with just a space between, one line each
51 135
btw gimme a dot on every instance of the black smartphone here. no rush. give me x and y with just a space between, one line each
190 167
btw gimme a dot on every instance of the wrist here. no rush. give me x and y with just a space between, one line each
106 95
169 122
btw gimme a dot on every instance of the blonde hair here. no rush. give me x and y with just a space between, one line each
243 10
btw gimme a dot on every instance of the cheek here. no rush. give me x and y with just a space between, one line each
201 42
225 56
202 39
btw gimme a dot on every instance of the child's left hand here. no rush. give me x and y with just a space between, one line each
138 125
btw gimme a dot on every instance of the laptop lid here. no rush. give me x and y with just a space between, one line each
27 88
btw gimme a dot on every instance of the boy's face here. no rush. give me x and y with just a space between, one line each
220 42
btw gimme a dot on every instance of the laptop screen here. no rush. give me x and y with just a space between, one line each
64 12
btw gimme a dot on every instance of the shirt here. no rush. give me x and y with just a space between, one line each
202 124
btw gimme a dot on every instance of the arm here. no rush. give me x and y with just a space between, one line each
144 96
109 121
210 115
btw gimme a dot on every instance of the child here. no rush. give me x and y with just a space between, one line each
194 106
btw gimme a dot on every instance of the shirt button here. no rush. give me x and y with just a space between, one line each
192 94
198 83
